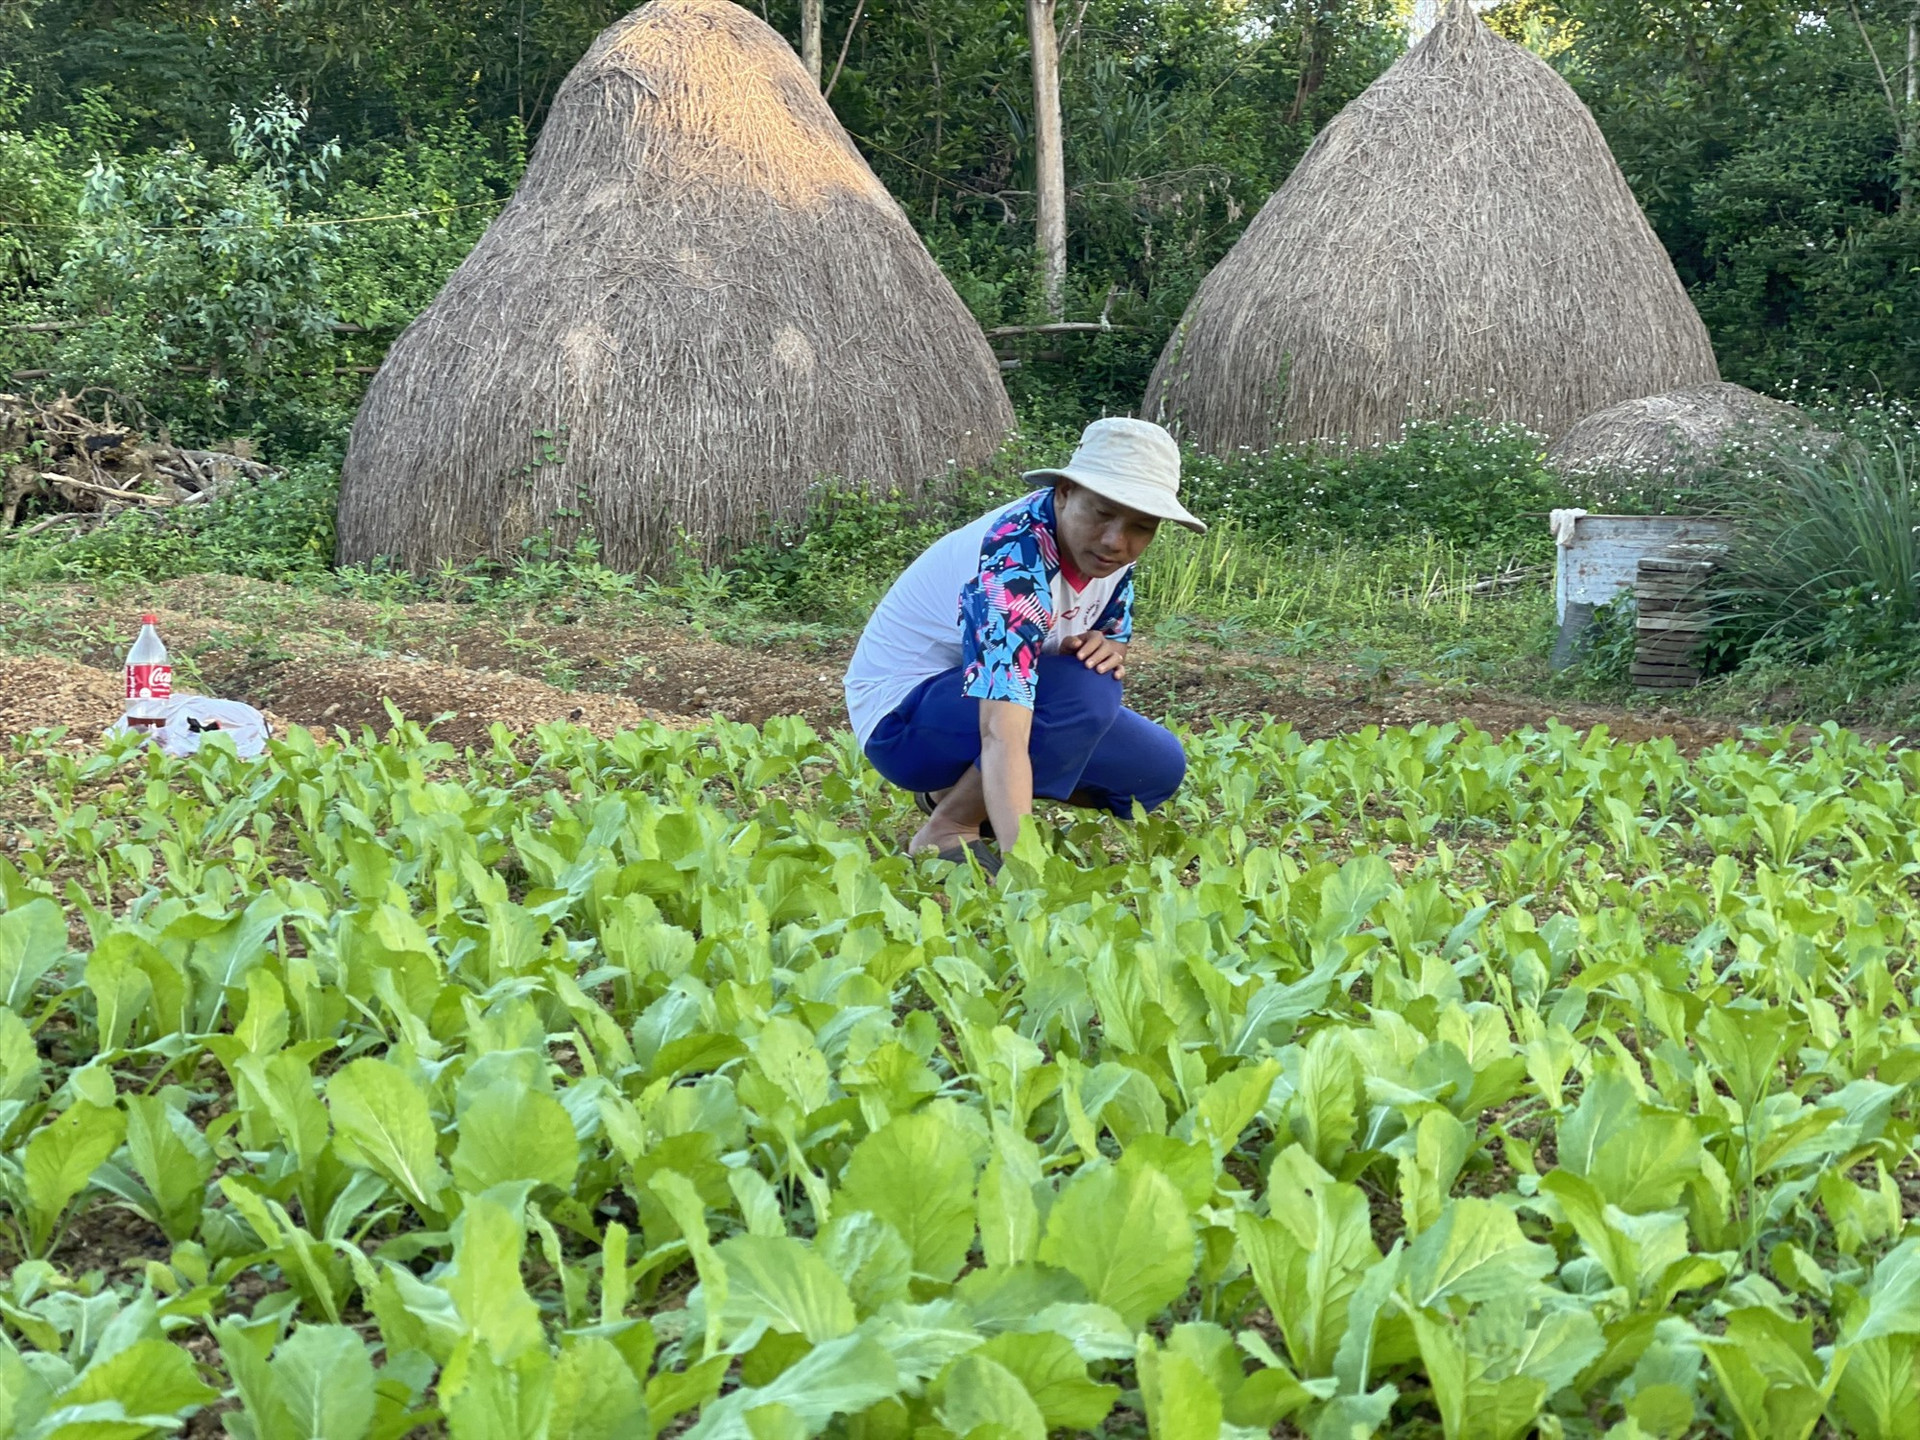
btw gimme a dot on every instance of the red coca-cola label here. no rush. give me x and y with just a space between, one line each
149 682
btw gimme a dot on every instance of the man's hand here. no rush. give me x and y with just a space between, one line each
1006 767
1098 652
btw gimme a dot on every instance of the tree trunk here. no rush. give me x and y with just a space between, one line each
1911 135
1313 58
1049 156
810 23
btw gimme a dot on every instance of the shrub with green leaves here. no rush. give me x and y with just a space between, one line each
1826 562
1407 1083
1463 481
1605 652
269 529
178 261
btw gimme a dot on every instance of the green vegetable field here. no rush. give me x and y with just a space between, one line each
1409 1083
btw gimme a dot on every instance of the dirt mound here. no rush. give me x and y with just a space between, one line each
44 692
1324 700
674 669
39 692
246 638
331 661
351 694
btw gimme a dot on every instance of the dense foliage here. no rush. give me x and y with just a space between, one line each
1410 1079
1765 143
1480 489
1828 562
170 195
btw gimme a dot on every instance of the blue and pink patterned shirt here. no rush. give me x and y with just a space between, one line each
989 599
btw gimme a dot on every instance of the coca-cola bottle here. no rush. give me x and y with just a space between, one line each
149 679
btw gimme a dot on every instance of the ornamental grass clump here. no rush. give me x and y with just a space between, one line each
1826 561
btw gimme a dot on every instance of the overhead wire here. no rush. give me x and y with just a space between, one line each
308 223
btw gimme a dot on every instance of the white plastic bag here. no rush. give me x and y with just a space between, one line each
190 718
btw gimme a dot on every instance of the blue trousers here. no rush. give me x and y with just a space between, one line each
1084 740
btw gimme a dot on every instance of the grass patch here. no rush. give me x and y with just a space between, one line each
1428 558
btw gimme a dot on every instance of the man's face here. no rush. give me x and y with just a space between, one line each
1100 537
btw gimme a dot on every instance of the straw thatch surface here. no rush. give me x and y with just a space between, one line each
1458 237
1663 433
701 293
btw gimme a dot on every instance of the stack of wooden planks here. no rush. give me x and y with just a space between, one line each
1670 596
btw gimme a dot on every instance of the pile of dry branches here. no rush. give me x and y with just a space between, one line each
71 462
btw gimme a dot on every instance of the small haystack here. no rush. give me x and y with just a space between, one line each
1459 237
699 302
1663 433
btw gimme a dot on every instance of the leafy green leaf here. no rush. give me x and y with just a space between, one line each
120 990
1056 1377
1429 1158
1637 1157
173 1157
1348 898
1893 1300
916 1173
841 1377
1125 1234
19 1064
1231 1104
1323 1112
1878 1397
508 1133
1473 1252
1009 1211
1183 1401
1773 1382
781 1281
486 1288
1473 1405
383 1124
32 937
978 1391
61 1158
1636 1250
869 1255
323 1380
148 1377
487 1399
595 1394
1309 1257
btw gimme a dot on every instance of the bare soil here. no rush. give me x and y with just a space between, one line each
466 703
335 664
42 691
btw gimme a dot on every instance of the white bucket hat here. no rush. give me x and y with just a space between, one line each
1134 463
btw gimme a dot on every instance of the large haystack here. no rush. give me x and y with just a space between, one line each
1666 433
1459 237
700 300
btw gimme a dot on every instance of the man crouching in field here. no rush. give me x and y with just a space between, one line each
990 673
